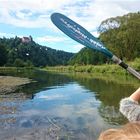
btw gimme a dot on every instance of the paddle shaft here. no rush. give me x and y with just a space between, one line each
118 61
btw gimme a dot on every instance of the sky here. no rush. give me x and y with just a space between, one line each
32 17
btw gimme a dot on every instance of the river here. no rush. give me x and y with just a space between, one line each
61 107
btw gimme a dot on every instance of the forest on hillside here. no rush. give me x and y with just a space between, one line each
121 35
20 53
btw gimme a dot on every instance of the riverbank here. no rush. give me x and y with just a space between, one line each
105 68
9 84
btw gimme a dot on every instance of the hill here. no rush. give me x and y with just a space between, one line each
25 52
88 56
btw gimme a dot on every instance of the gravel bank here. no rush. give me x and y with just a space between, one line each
10 84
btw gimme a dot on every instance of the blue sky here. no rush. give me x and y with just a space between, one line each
32 17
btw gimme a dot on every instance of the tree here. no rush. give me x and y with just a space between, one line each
28 63
3 55
19 63
88 56
123 39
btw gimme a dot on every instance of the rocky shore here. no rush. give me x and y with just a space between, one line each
9 84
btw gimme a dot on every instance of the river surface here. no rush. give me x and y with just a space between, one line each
61 107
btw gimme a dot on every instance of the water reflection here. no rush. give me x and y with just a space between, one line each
111 115
61 107
72 108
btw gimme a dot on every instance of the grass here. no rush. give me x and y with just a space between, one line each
105 68
14 68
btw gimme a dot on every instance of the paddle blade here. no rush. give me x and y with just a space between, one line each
78 33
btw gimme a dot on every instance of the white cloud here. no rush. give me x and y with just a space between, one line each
77 47
38 15
95 33
52 39
9 35
89 13
52 97
97 11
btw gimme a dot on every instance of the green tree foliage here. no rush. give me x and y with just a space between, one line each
3 55
88 56
19 63
122 35
32 54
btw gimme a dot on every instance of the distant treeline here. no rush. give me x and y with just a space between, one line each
121 35
18 52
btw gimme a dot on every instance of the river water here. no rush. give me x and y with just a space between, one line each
61 107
